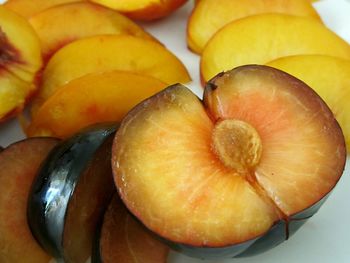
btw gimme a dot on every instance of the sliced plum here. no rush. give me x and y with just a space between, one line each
19 164
124 240
244 166
71 192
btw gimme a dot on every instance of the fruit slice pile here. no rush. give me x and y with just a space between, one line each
260 150
209 16
20 59
96 19
118 44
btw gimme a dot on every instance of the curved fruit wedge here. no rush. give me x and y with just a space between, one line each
264 152
333 85
97 20
71 192
210 15
19 164
262 38
28 8
124 240
143 56
91 99
20 59
143 9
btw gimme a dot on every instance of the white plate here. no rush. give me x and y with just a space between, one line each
326 237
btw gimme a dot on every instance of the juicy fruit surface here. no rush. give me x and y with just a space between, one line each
211 15
123 239
96 19
143 9
18 166
333 85
29 8
71 61
196 188
298 133
204 201
91 99
262 38
20 59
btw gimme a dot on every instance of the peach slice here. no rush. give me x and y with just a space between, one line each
214 177
119 52
143 9
28 8
94 98
20 59
262 38
333 85
210 15
97 20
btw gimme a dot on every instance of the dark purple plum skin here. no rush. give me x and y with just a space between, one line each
55 183
281 231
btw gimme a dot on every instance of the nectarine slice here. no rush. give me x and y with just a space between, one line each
57 26
28 8
124 240
20 59
262 38
209 16
260 149
19 164
119 52
143 9
94 98
333 84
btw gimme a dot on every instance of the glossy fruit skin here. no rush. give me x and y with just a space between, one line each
53 187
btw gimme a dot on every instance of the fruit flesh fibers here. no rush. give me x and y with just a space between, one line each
261 38
333 85
172 177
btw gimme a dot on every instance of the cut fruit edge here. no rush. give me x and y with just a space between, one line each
251 178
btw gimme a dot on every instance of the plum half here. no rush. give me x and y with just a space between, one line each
232 175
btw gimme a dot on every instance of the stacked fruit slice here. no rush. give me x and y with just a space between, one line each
236 33
127 65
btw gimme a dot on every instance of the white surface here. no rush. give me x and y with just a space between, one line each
326 237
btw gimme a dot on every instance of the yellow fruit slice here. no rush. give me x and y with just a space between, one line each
211 15
262 38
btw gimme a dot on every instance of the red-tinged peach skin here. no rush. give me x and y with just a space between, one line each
57 26
119 52
209 16
215 177
19 164
94 98
20 59
262 38
28 8
143 9
329 77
